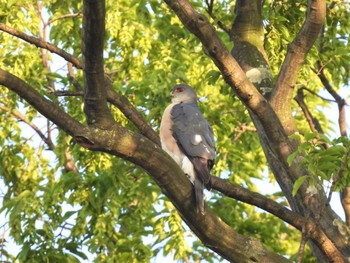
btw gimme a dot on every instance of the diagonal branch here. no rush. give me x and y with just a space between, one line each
339 100
51 21
18 115
41 44
297 51
313 122
290 217
124 105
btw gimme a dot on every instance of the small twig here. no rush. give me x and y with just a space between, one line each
242 129
67 93
72 78
313 122
209 10
61 17
210 5
314 93
3 239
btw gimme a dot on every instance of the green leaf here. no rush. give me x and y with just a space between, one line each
291 157
298 184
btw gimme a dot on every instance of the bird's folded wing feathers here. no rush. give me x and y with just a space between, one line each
195 138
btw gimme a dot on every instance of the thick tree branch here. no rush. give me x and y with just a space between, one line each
95 107
290 217
297 51
247 34
41 44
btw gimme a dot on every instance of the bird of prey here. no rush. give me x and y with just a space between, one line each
188 138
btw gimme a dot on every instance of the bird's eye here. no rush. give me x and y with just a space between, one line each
180 89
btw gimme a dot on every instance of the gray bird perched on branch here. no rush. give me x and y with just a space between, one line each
188 138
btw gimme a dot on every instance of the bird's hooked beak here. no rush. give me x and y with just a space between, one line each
172 94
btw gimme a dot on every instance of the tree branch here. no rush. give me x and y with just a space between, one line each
41 44
339 100
290 217
242 128
313 122
210 6
124 105
43 105
317 95
61 17
72 78
95 98
345 192
23 118
297 51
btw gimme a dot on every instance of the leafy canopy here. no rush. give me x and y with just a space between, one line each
111 210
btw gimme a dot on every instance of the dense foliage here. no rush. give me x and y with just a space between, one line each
61 201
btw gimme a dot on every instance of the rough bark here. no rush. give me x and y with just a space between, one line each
95 107
247 34
297 51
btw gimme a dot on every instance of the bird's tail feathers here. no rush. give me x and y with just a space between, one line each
198 189
201 167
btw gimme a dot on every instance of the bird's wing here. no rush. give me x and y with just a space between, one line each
195 138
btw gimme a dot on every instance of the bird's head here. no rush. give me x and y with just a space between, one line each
183 93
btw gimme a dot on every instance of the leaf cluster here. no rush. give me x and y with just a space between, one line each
324 159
